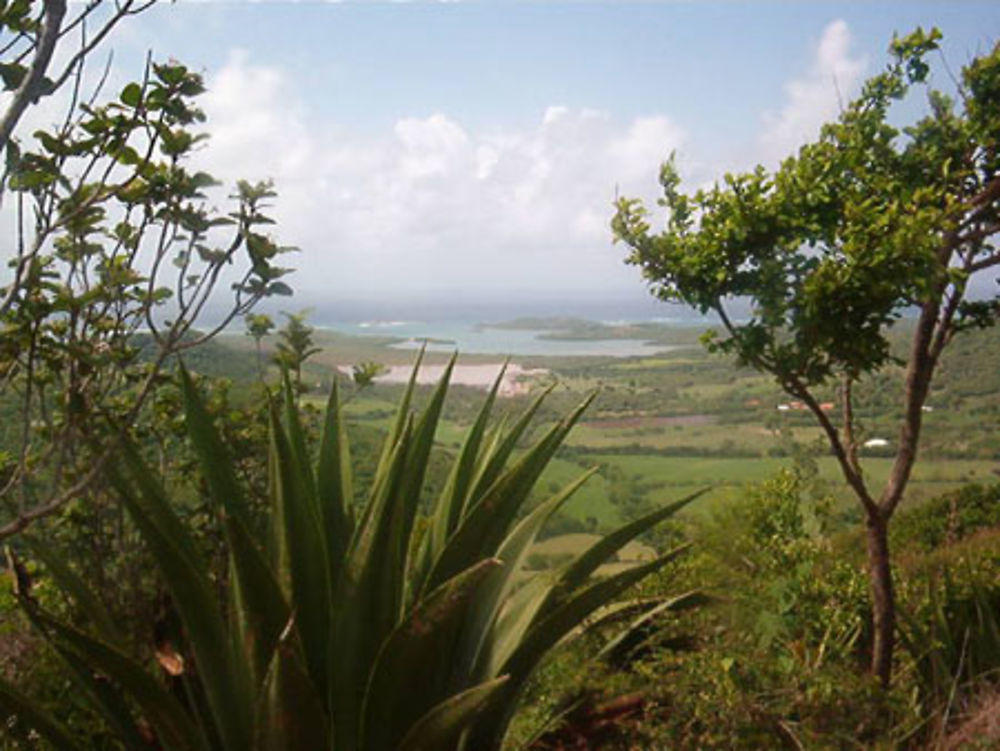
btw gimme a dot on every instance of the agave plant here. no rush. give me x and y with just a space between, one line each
387 629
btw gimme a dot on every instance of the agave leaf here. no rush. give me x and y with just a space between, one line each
421 645
479 635
290 713
442 727
108 699
174 728
545 633
644 628
403 509
551 627
587 563
213 458
306 552
259 603
363 613
334 484
260 607
401 419
630 610
226 680
515 618
14 704
487 524
494 460
72 584
106 696
454 497
133 472
456 490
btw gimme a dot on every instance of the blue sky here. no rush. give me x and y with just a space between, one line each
474 148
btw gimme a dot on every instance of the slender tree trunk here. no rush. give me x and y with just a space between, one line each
883 598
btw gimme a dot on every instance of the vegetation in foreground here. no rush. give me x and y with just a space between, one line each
307 648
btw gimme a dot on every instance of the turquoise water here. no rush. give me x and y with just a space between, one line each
468 338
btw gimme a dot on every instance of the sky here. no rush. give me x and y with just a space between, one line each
472 150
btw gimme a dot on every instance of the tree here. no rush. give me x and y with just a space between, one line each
36 30
364 373
295 345
832 247
259 325
116 254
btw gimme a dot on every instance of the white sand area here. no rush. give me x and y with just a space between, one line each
516 380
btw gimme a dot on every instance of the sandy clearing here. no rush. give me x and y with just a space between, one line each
516 379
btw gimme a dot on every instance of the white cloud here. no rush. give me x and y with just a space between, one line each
431 204
815 97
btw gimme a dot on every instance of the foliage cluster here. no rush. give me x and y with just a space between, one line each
317 627
778 660
116 250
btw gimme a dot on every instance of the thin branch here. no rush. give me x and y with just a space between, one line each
918 378
30 87
984 263
795 387
89 47
850 441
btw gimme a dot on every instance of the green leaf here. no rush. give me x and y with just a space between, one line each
74 585
494 459
544 634
602 550
480 637
131 95
17 711
290 713
214 459
551 627
442 727
642 630
364 613
12 74
279 288
484 528
227 681
304 543
421 645
452 502
334 485
174 727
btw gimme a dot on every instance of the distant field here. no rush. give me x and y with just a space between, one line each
589 502
684 420
686 431
676 476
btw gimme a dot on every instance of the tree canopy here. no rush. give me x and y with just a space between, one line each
831 248
869 219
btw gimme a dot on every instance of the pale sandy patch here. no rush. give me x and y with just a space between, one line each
516 380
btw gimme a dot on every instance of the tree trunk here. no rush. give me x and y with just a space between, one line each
883 598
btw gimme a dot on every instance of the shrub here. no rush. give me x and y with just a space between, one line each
383 629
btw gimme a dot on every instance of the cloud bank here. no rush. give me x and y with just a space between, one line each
432 205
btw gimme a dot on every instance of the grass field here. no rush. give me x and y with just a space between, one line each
589 502
672 477
666 425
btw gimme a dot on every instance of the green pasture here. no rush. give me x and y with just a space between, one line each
675 476
738 438
589 502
